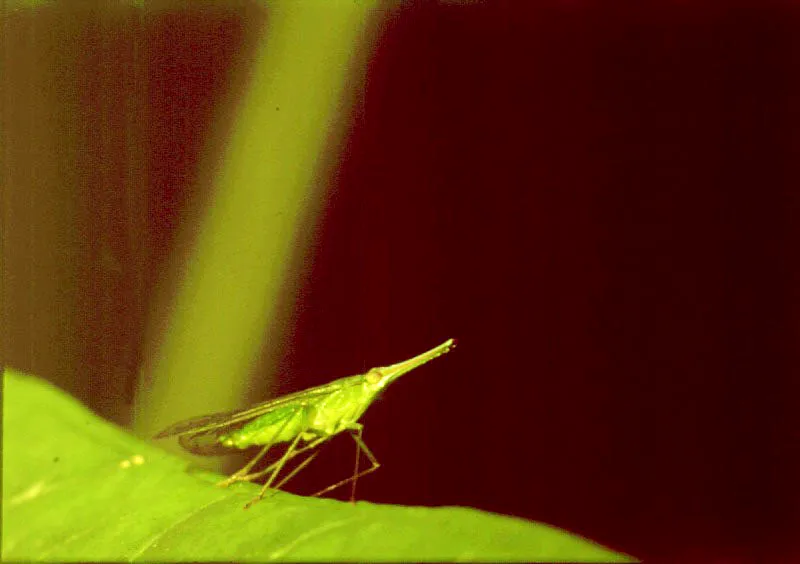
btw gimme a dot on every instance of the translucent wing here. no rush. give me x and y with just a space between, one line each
217 424
204 443
207 442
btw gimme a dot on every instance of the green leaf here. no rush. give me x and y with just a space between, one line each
77 488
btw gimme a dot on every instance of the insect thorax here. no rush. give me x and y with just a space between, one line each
341 409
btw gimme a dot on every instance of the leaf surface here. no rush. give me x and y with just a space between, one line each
77 488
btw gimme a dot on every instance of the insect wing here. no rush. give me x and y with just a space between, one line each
235 419
201 435
197 424
204 443
209 442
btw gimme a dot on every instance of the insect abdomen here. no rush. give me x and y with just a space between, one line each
279 426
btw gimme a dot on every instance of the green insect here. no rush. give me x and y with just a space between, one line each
304 419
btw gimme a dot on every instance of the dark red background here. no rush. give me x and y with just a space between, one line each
599 200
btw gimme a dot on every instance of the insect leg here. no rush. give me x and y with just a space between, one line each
241 474
286 456
271 467
356 434
355 471
299 467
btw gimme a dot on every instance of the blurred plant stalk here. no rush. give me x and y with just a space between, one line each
261 215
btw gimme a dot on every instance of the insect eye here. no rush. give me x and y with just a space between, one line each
374 376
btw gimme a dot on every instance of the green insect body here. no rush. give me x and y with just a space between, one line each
327 415
310 416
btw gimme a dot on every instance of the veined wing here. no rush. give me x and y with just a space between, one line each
216 423
204 443
208 442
